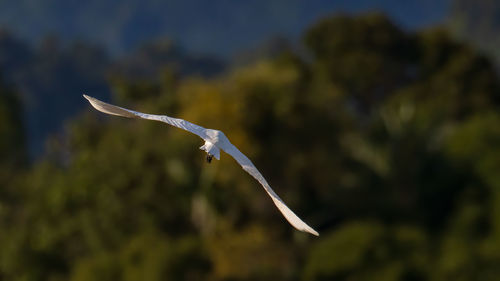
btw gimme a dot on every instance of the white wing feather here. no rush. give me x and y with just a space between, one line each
120 111
228 147
250 168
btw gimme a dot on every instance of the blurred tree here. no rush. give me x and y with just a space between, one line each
430 85
14 55
367 57
370 251
12 149
13 158
149 61
477 23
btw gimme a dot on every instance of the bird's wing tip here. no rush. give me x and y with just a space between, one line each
109 108
312 231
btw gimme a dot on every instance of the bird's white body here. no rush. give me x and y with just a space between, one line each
215 141
212 148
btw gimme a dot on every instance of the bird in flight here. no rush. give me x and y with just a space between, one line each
215 140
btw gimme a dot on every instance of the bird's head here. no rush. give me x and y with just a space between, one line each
212 150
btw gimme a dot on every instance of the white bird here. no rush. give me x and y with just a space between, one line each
215 140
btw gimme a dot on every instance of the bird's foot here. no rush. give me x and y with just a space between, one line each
209 158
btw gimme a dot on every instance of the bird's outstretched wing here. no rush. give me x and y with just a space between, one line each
248 166
120 111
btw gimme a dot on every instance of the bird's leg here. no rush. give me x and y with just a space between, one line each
209 158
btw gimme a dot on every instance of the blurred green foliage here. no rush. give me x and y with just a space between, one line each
383 140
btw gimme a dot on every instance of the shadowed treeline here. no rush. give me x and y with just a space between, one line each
200 26
384 141
51 76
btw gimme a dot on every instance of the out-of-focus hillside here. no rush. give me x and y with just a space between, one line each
217 27
477 22
51 77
